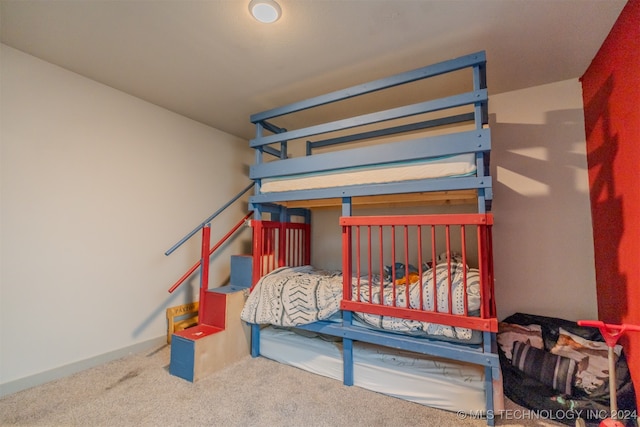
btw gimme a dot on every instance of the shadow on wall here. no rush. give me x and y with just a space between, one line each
541 207
606 207
189 290
181 297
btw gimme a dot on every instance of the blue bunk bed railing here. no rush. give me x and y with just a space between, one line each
468 107
476 60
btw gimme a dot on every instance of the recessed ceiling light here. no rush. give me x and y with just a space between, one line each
266 11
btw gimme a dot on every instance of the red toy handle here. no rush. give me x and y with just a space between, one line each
611 333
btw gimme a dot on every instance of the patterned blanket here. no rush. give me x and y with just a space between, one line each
415 327
294 296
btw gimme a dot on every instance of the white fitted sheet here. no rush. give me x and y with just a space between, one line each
458 165
430 381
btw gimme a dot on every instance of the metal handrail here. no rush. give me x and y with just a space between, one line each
206 221
215 247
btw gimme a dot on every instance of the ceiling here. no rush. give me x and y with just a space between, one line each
211 62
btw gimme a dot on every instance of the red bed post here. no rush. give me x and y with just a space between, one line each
346 262
463 244
257 252
283 246
204 267
488 257
279 244
307 244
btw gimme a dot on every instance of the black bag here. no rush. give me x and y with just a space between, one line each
536 396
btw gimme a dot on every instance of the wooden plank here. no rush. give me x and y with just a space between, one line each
181 317
457 183
387 155
394 200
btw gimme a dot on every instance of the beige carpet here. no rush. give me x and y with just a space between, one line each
139 391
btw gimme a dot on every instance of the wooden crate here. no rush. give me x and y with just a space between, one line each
181 317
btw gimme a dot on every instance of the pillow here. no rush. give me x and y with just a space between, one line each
591 356
554 371
508 333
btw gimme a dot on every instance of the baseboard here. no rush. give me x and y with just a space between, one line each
66 370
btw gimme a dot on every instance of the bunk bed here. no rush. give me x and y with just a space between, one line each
413 290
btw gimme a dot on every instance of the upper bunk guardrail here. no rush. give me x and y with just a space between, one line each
474 59
465 142
430 128
477 96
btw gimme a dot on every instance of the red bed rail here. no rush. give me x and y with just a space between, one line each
195 266
372 242
279 244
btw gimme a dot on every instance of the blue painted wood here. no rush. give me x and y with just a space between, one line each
255 340
461 352
482 201
225 290
258 159
489 346
481 171
241 271
488 193
265 208
460 118
480 108
272 151
303 213
480 165
347 209
379 116
259 133
182 357
272 128
347 362
347 316
416 186
208 220
420 148
443 67
488 395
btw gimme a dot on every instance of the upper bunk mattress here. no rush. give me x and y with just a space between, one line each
448 166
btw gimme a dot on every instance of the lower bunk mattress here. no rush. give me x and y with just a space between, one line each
426 380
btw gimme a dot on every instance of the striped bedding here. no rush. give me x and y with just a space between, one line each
294 296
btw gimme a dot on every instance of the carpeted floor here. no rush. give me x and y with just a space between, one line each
139 391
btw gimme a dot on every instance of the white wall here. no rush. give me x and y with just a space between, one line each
95 186
543 244
544 261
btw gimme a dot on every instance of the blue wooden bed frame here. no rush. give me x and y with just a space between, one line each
273 141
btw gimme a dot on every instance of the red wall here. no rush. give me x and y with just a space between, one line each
611 93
